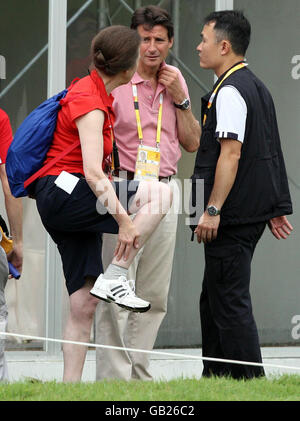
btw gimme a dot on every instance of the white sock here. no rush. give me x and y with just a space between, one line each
114 272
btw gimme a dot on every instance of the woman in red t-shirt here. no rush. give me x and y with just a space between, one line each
77 201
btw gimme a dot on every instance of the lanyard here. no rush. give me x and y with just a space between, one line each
234 69
138 117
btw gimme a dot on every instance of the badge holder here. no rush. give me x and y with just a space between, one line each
147 163
148 158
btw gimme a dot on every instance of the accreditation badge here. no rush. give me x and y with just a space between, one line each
147 163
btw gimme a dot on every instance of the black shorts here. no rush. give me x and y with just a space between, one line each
75 222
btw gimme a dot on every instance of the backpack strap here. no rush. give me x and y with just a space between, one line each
50 164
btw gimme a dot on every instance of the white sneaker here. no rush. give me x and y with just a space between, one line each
121 292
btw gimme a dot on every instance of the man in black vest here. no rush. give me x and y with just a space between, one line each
245 188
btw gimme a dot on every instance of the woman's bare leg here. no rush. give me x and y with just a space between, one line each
78 329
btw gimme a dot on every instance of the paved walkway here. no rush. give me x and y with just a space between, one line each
37 365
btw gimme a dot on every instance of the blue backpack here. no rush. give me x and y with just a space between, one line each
28 150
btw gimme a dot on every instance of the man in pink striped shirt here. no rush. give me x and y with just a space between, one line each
153 265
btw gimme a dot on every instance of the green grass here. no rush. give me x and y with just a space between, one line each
284 388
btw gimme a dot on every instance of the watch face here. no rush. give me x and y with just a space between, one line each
212 211
186 104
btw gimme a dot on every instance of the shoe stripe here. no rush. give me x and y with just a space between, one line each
117 293
117 288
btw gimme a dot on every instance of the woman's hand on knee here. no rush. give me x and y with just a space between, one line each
128 237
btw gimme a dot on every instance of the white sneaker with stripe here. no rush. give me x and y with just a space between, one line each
121 292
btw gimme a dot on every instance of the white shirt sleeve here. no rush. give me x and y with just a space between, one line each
231 114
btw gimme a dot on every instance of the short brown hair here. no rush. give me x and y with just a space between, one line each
150 16
114 49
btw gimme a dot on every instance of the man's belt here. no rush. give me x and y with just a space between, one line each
129 175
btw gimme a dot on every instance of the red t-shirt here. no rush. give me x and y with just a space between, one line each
66 132
5 135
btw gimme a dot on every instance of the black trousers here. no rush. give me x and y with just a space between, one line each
228 327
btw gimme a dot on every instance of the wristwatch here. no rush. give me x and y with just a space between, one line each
213 211
184 105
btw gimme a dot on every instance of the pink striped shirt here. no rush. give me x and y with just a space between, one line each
125 127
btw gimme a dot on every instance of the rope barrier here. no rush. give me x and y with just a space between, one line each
195 357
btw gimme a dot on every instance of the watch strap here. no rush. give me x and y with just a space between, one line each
182 105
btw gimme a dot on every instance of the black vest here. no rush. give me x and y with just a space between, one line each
260 191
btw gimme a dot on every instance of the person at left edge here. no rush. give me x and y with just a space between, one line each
77 201
14 211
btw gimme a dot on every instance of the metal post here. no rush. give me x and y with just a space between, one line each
42 51
2 67
56 82
127 7
137 4
223 5
176 21
102 14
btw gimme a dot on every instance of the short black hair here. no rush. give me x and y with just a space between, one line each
150 16
234 26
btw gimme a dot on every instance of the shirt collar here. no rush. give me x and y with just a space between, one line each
136 79
221 77
107 99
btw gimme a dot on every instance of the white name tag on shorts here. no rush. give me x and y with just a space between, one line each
66 181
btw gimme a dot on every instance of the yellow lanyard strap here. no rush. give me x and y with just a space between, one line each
138 118
159 120
234 69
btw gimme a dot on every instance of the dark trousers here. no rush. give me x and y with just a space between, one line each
228 326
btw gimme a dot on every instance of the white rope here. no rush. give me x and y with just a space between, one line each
170 354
